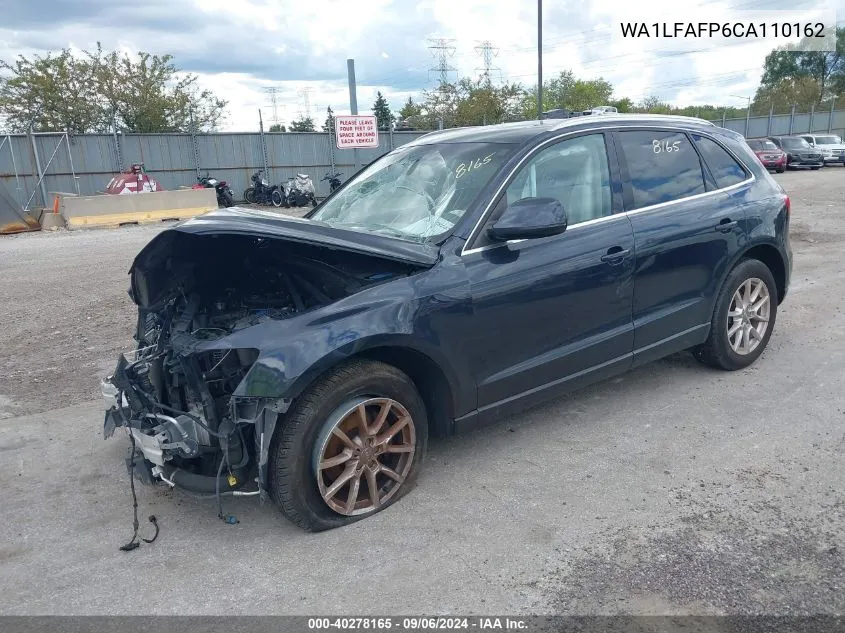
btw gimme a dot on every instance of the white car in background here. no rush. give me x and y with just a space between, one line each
830 145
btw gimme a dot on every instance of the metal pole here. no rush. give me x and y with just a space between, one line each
263 143
747 117
812 116
353 102
771 113
829 118
38 169
17 178
390 129
117 153
791 118
539 59
331 144
195 145
70 160
724 114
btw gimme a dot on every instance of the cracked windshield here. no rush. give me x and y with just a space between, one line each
416 193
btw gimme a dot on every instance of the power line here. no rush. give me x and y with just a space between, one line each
305 102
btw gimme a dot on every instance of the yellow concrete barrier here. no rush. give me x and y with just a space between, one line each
138 208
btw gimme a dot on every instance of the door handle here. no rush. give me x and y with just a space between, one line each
727 225
615 255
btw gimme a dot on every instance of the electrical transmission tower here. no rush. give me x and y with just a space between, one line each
487 52
272 91
442 49
305 102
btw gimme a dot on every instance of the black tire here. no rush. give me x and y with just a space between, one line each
716 350
276 198
228 201
249 195
291 477
814 168
780 170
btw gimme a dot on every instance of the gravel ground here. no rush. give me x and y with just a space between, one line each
670 490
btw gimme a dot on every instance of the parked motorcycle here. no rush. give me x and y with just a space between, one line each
262 192
334 181
225 198
299 191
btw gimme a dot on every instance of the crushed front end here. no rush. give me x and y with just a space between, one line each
200 396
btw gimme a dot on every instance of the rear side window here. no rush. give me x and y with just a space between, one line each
755 144
662 166
722 165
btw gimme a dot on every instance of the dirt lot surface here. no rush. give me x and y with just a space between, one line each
671 489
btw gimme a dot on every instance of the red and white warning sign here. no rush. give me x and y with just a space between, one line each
356 130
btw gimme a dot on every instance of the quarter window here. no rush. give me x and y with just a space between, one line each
722 165
575 172
662 166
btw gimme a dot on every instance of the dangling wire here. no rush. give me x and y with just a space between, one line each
134 543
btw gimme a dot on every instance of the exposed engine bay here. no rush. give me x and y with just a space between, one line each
175 394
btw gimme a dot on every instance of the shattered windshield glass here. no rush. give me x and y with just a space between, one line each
415 192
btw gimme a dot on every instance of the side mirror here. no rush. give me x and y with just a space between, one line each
529 218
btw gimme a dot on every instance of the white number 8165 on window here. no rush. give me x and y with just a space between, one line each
664 146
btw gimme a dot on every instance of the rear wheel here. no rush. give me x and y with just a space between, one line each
350 447
228 201
276 198
249 195
815 168
743 318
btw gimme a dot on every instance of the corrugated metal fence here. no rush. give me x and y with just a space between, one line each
84 164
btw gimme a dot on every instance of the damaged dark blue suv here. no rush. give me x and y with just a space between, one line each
459 278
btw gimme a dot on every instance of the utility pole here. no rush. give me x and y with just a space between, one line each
353 101
539 59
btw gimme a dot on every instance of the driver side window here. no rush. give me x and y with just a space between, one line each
574 172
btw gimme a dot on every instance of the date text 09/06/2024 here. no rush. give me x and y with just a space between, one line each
421 623
722 29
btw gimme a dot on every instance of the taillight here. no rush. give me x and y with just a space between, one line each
787 203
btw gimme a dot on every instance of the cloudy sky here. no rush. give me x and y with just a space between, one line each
240 47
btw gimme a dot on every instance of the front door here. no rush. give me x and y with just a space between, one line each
551 311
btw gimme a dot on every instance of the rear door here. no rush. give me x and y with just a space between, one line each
688 221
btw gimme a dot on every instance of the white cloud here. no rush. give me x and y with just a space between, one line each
239 48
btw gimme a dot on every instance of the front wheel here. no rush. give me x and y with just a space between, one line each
350 446
743 318
814 168
780 170
276 198
249 195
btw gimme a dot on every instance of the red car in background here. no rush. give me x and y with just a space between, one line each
769 154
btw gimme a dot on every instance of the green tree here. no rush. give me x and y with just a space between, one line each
95 90
277 127
382 111
623 105
567 92
825 68
305 124
410 109
481 103
53 92
802 92
328 125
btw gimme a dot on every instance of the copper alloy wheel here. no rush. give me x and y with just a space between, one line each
364 455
